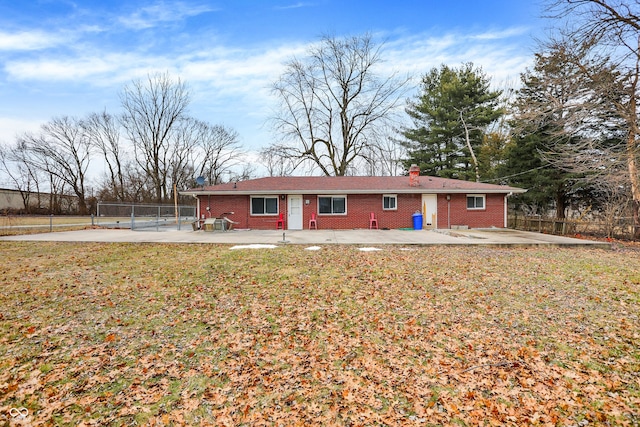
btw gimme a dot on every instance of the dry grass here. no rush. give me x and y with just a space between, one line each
112 334
42 220
19 225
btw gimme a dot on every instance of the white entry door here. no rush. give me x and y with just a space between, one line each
295 213
430 211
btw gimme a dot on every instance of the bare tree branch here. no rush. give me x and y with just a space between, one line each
610 30
62 151
153 109
332 102
103 132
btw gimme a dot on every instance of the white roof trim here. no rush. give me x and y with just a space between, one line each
328 192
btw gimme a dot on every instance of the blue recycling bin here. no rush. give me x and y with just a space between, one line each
417 221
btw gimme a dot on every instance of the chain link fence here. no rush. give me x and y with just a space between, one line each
619 228
144 216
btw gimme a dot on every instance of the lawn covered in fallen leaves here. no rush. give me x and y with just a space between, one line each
152 334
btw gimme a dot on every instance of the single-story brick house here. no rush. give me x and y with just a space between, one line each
346 202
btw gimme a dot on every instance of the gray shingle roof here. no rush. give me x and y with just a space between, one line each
350 185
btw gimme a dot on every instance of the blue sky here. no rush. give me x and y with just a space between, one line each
66 57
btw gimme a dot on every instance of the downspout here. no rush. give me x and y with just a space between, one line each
506 219
197 209
449 211
197 205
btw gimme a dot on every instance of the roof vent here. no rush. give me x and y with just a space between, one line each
414 175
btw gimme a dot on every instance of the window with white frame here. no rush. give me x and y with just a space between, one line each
389 202
475 201
332 205
264 205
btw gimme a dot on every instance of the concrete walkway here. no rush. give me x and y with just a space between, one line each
487 237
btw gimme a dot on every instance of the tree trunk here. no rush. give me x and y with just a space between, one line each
468 141
561 205
82 206
635 185
631 151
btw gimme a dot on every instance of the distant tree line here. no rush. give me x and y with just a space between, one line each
568 132
149 150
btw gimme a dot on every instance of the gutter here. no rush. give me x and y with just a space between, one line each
446 190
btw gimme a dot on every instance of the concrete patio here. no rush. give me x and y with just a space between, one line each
487 237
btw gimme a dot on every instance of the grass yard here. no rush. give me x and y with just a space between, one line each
150 334
33 224
16 225
43 220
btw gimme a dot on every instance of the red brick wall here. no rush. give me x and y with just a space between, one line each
359 207
218 205
491 216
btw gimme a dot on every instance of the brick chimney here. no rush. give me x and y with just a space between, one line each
414 175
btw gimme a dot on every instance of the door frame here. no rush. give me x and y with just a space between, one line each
293 222
429 210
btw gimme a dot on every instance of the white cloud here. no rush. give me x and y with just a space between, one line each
217 75
66 69
251 71
294 6
501 56
10 128
235 70
162 12
231 85
501 34
29 40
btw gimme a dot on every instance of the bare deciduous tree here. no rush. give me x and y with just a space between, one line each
168 149
610 29
247 171
103 132
217 151
332 103
62 151
22 174
153 110
184 139
385 156
277 163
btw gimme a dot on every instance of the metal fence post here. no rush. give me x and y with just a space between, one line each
146 212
